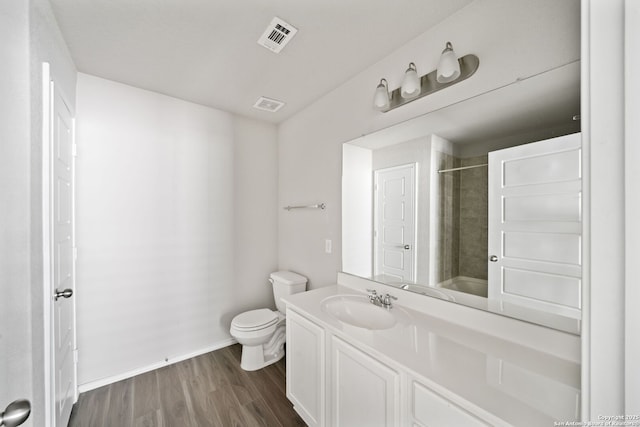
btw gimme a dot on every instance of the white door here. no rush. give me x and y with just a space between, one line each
394 217
535 225
62 258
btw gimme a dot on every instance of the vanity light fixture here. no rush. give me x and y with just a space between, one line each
381 98
411 83
451 70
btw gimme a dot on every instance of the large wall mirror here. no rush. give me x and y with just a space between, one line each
478 203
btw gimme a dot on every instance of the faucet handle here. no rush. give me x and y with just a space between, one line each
372 292
386 302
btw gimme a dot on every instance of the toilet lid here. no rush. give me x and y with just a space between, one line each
255 319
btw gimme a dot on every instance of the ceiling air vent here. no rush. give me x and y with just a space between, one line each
268 104
277 35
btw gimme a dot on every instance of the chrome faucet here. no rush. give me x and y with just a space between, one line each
380 300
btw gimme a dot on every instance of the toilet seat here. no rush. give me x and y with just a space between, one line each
254 320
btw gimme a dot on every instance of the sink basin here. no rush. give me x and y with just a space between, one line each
356 310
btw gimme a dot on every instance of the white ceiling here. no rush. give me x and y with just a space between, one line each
206 51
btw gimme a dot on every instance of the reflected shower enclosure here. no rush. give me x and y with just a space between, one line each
461 223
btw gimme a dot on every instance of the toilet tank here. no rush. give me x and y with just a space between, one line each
286 283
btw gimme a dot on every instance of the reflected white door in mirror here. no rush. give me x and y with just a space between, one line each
535 228
394 222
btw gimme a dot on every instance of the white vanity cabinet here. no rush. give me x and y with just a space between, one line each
332 382
363 390
306 368
423 371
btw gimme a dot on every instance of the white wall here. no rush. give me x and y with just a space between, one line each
176 226
255 213
632 204
357 210
512 39
435 214
15 308
603 94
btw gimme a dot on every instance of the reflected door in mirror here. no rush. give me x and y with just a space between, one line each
535 226
394 219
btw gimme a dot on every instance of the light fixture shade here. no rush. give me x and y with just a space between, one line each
381 99
411 83
448 66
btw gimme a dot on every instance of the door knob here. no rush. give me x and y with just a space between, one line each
16 413
64 294
493 258
406 247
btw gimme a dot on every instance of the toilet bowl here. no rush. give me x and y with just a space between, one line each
262 332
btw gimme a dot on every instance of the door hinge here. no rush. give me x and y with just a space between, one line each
75 253
74 150
75 356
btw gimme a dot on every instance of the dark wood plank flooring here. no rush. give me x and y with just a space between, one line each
208 390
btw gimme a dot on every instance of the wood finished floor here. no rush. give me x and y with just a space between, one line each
208 390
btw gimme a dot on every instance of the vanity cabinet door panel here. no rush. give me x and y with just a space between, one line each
306 368
429 409
364 391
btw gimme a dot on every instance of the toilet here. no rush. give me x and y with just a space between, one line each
262 332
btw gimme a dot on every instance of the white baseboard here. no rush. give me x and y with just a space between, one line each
115 378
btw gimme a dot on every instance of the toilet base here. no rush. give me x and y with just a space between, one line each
261 347
254 357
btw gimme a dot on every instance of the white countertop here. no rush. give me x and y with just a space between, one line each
517 384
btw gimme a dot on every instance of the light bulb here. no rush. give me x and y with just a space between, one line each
448 66
381 97
411 83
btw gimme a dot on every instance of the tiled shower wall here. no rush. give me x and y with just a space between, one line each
449 211
473 218
463 218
